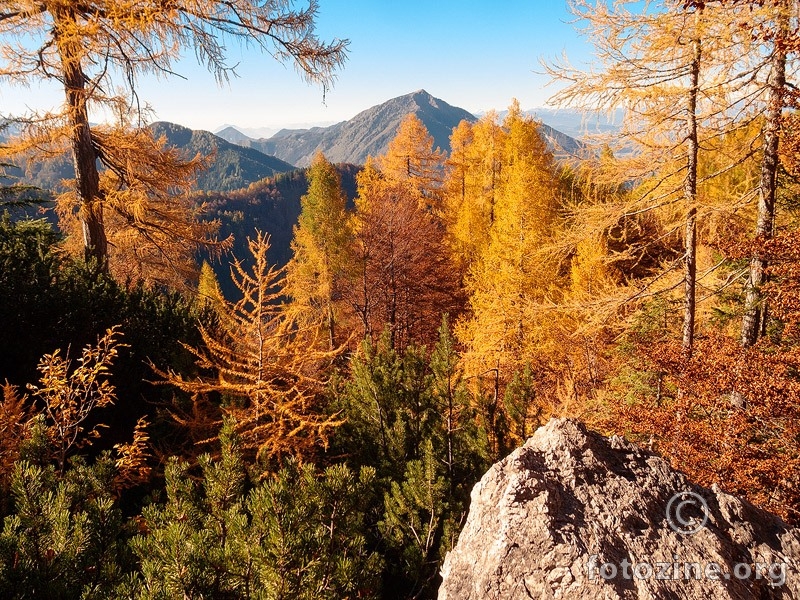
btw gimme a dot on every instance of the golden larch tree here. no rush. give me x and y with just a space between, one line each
470 187
153 227
778 26
98 49
683 76
411 157
511 280
269 369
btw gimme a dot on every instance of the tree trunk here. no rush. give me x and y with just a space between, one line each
754 319
690 195
331 326
87 178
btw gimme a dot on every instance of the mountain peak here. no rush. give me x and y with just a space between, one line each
366 134
371 130
233 135
423 98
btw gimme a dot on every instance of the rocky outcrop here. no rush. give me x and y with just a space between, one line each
572 514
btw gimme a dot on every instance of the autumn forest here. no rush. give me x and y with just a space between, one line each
315 429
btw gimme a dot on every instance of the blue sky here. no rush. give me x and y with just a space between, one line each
476 55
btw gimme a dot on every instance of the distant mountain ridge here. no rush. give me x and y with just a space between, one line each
370 131
577 124
233 166
238 160
366 134
574 123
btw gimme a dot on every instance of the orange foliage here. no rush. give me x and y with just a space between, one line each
15 415
267 367
132 458
411 158
403 277
734 419
70 395
154 228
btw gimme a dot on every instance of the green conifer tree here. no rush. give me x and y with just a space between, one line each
65 536
417 513
320 247
297 535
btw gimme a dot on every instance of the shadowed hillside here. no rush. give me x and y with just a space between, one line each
233 167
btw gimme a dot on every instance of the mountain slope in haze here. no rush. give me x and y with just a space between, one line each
234 136
368 133
560 144
573 123
233 166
